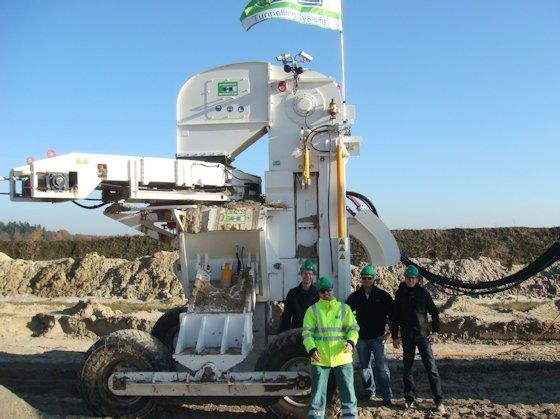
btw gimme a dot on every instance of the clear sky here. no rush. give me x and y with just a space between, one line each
458 102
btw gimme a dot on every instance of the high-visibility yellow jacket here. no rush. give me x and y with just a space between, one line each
327 326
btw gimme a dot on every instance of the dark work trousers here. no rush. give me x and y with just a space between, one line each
425 348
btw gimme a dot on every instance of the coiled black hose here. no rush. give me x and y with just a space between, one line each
458 286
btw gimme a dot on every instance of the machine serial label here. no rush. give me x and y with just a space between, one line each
227 88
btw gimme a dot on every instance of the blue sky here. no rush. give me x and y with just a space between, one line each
458 102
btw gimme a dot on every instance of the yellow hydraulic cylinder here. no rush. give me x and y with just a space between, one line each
340 190
306 168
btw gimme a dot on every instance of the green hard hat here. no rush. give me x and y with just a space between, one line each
368 270
411 271
308 265
324 283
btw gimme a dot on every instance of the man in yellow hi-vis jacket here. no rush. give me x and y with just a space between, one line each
330 333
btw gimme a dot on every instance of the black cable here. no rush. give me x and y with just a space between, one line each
238 261
352 213
364 199
459 287
91 207
327 126
243 179
205 164
312 135
549 257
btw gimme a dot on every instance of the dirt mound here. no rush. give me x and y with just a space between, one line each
466 306
87 319
547 310
474 319
543 285
146 278
14 407
506 329
151 277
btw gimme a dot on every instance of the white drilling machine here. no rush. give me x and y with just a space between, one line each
220 221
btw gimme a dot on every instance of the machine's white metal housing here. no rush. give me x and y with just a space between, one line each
134 179
221 112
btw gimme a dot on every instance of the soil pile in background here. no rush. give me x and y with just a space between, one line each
543 285
526 312
87 319
145 278
151 277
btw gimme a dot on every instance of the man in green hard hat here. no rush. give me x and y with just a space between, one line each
374 309
412 304
300 298
329 335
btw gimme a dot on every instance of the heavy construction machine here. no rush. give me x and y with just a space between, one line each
226 229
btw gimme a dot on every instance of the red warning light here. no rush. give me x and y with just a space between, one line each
51 153
282 86
30 159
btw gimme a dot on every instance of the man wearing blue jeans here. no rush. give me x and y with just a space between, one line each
413 303
329 334
374 308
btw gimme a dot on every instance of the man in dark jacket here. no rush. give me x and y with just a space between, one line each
300 298
412 304
374 308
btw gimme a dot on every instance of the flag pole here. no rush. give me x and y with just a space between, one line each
342 70
341 181
342 242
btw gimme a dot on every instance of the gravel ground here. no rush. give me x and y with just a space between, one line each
480 379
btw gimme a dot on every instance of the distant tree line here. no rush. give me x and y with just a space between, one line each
23 231
507 244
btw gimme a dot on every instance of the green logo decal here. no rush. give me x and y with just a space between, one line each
227 88
231 217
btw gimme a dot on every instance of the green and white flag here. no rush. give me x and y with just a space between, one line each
323 13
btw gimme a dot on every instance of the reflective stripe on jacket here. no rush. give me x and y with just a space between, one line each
327 326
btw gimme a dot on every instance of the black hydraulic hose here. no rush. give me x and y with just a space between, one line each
364 199
549 257
457 286
92 206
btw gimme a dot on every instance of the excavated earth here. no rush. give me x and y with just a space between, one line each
498 357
